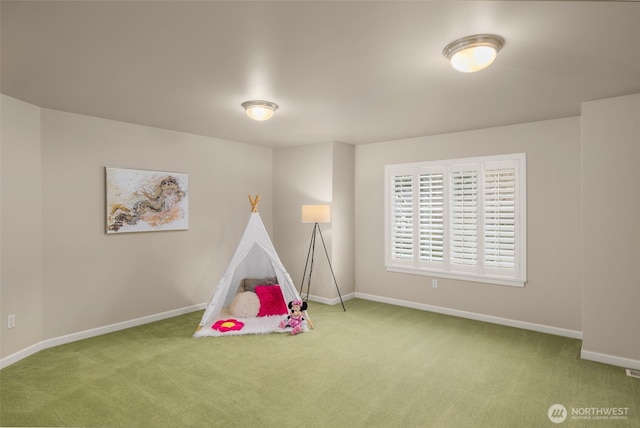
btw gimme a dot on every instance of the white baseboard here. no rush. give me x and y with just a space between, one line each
73 337
334 301
475 316
613 360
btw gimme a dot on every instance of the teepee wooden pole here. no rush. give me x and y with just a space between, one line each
308 320
254 203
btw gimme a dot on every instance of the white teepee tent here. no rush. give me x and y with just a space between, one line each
255 257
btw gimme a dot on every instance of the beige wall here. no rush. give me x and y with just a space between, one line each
611 212
301 176
343 221
90 279
552 294
21 225
315 174
62 274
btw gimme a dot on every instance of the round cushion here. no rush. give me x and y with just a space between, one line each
245 305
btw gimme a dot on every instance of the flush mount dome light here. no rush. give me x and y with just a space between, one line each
260 110
473 53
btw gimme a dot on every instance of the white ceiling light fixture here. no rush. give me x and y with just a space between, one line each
473 53
260 110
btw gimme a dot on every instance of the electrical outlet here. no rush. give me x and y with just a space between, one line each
11 321
434 283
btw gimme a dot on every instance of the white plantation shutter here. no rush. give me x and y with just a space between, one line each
431 206
463 203
500 219
462 219
402 217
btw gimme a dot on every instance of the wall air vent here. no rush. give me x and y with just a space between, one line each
633 373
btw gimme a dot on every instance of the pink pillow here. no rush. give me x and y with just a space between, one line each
271 300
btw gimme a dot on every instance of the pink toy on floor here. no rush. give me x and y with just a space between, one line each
295 319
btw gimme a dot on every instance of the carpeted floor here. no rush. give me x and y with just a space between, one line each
375 365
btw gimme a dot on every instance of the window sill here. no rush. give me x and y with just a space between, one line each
495 280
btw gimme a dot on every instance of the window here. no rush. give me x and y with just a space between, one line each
462 219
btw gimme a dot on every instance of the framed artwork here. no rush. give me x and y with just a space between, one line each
146 201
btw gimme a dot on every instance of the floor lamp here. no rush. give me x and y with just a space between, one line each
316 214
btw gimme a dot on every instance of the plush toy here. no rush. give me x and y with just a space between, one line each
295 319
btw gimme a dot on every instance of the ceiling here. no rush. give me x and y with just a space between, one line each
355 72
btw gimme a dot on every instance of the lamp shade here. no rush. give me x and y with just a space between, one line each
316 213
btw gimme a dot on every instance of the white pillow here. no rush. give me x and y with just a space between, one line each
245 305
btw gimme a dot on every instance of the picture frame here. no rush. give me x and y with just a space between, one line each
146 201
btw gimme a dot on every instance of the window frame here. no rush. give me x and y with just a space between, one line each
505 240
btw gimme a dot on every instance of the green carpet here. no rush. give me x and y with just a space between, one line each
375 365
